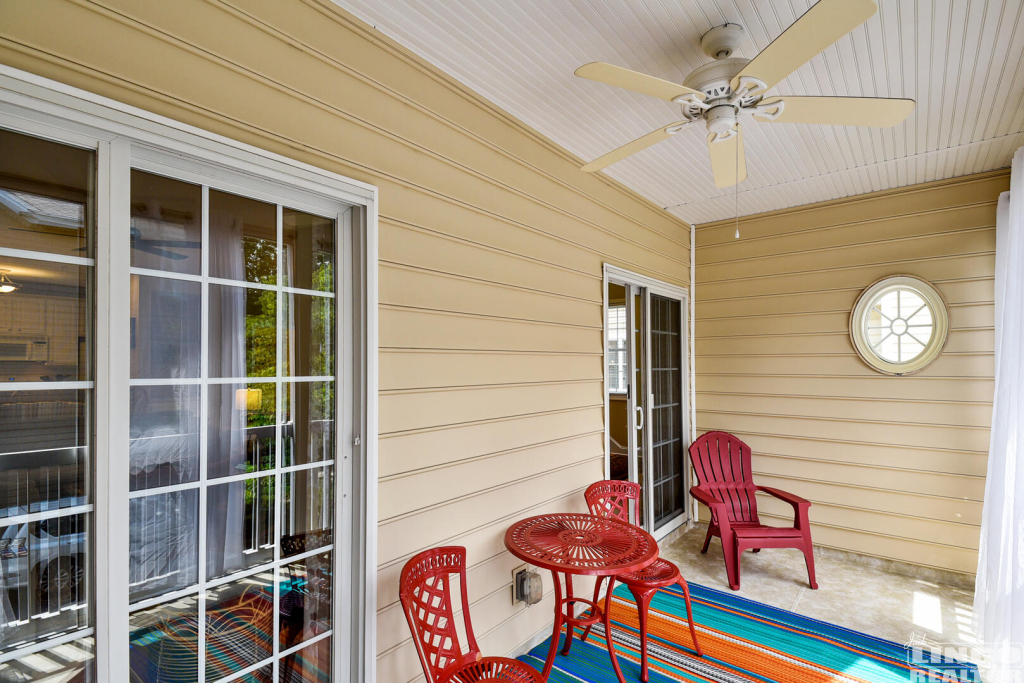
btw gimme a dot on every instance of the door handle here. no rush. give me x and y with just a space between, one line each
640 412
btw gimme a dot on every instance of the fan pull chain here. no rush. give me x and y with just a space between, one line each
736 204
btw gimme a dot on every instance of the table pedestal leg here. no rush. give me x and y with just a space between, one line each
561 620
570 606
608 629
557 631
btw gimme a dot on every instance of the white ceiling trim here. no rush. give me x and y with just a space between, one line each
962 60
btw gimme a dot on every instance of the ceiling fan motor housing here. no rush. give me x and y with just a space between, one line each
721 120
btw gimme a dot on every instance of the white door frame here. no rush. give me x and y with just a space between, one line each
651 286
120 133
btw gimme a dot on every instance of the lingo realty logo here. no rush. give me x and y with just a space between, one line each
932 662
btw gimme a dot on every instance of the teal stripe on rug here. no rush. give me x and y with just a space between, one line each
743 640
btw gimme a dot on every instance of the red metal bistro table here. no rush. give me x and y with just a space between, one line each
580 544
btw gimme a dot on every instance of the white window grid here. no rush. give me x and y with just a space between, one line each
86 509
203 482
618 383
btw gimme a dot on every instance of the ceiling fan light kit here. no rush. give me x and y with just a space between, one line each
722 91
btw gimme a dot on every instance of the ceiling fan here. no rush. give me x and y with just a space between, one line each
722 91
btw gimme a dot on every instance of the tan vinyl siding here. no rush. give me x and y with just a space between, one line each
491 248
895 466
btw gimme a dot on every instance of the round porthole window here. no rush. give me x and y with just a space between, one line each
899 325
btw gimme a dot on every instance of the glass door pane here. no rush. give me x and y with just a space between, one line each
46 410
667 464
619 426
233 436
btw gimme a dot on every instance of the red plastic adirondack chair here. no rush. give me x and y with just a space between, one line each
722 463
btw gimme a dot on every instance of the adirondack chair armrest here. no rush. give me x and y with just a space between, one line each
786 496
799 504
720 510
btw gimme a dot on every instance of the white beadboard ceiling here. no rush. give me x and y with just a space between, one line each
960 59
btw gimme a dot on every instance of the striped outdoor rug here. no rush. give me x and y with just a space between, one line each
742 641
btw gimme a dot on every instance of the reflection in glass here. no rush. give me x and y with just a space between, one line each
243 332
44 455
243 239
618 383
306 510
307 434
165 328
264 675
311 664
239 624
666 431
239 526
166 224
241 429
72 661
43 322
46 326
162 543
305 603
45 578
164 642
308 256
164 436
308 335
46 193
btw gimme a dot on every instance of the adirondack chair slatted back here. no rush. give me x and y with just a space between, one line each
611 498
426 595
722 464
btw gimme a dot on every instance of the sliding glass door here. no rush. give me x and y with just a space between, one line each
646 403
47 404
234 394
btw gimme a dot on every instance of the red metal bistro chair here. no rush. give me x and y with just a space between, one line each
611 498
425 592
722 463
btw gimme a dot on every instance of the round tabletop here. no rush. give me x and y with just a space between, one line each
581 544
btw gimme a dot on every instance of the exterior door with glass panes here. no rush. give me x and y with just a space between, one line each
646 404
47 409
233 429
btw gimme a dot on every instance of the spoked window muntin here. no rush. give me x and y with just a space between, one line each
899 325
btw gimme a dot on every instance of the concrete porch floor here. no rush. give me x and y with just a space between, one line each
867 599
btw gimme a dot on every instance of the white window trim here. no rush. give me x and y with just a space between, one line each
46 108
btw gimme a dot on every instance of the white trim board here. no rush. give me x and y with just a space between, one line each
121 134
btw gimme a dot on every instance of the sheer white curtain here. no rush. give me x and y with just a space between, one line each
999 594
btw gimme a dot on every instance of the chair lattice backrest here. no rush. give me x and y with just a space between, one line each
611 498
722 464
426 594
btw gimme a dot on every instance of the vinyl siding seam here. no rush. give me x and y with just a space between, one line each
844 225
385 521
485 456
852 245
412 268
905 190
873 264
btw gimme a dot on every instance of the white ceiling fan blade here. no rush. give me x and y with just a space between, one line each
635 81
724 156
879 112
637 145
820 26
